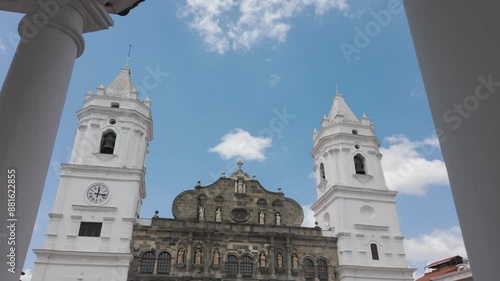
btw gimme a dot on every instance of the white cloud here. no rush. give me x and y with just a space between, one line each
407 168
241 144
434 246
27 276
416 93
3 49
239 24
309 219
274 79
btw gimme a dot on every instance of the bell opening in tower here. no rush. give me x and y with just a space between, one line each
359 164
108 142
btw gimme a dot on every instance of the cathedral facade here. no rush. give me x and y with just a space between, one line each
232 229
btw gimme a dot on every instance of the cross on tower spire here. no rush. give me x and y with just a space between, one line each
128 56
239 164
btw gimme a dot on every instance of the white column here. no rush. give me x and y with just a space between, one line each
31 103
457 45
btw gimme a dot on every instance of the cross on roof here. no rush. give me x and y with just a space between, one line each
239 164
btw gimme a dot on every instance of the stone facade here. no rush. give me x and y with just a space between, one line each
236 235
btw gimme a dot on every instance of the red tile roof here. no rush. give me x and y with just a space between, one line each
441 261
439 272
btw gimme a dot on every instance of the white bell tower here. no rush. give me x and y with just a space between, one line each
353 202
100 190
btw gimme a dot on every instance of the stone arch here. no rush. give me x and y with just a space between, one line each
262 203
247 265
148 260
308 268
278 203
164 262
322 268
234 253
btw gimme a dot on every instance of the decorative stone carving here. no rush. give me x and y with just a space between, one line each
180 256
278 219
279 260
197 256
239 215
240 186
262 259
218 215
295 261
201 213
262 217
216 257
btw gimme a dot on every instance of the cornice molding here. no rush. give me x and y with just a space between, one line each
82 258
337 192
379 273
95 208
371 227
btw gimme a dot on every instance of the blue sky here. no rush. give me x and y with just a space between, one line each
226 70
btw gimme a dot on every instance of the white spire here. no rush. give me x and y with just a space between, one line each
122 86
340 111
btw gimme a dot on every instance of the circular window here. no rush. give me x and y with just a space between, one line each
356 146
112 121
239 215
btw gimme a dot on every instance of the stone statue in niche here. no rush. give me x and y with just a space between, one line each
240 186
197 256
279 258
218 215
295 261
278 219
180 256
201 213
262 259
262 217
216 257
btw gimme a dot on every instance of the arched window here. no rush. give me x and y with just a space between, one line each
246 266
148 262
359 164
374 249
322 270
308 269
322 171
164 260
108 142
232 265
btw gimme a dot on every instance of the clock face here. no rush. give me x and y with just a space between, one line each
97 193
